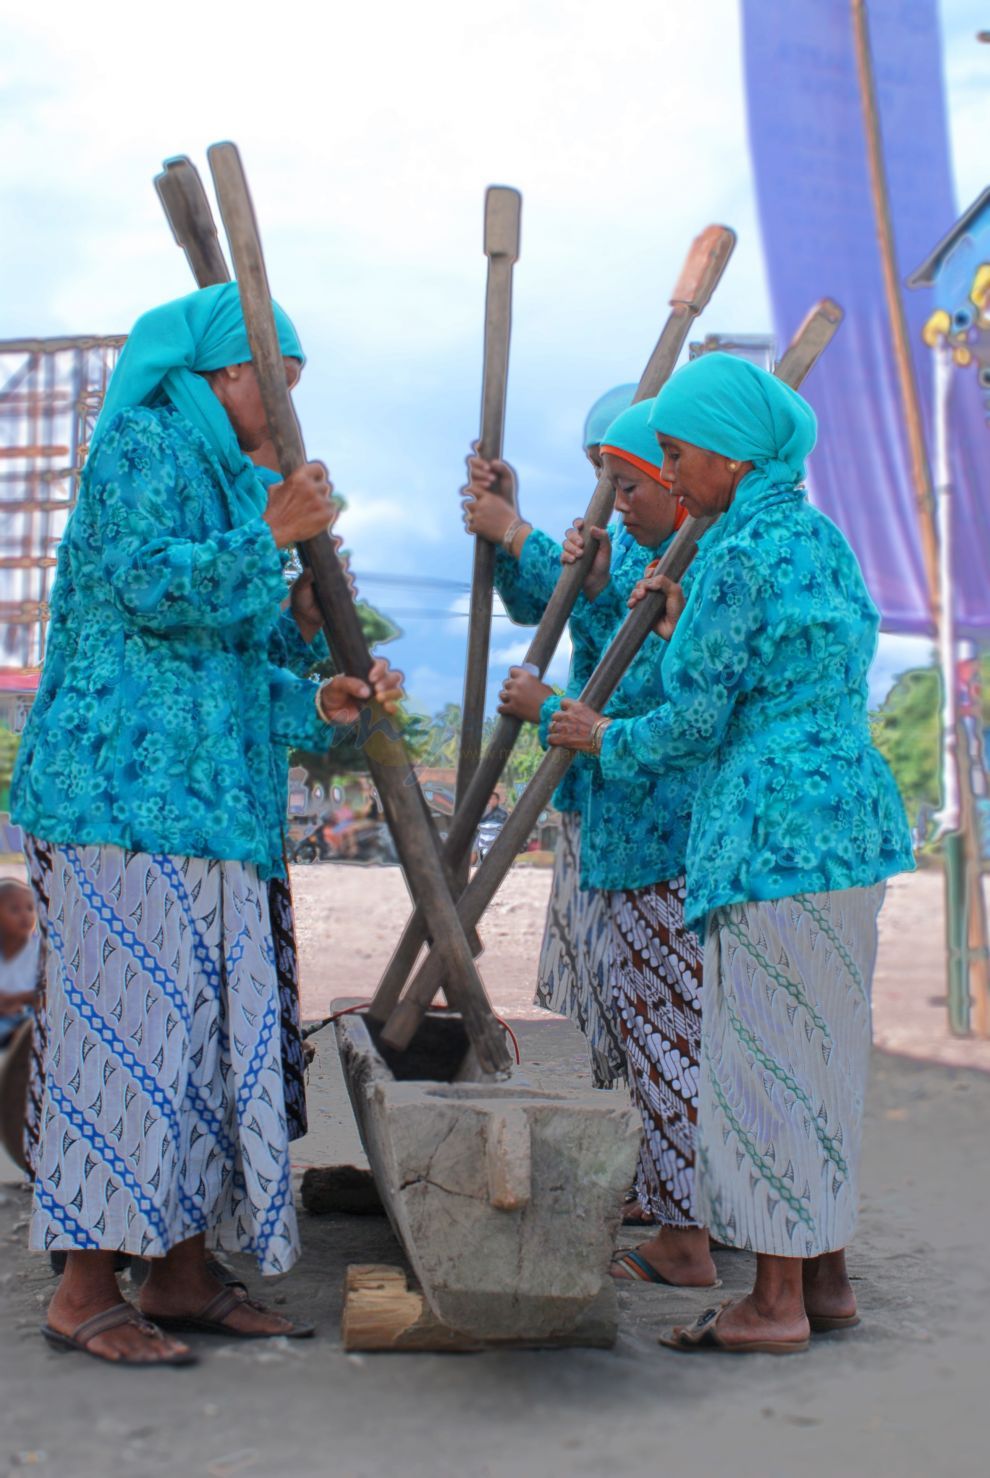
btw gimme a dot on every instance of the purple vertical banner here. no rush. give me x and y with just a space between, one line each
819 239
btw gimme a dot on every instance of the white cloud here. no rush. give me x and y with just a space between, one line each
967 72
370 523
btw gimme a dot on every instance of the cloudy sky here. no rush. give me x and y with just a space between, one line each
369 134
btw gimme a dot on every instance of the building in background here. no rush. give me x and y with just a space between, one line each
51 392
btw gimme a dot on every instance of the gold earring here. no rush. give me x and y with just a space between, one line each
733 466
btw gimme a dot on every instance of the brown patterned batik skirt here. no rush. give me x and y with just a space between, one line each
656 979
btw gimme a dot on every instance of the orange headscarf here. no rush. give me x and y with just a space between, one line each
651 471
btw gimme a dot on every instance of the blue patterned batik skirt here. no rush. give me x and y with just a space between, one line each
163 1112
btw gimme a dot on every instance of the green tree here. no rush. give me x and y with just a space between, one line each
907 731
9 744
523 762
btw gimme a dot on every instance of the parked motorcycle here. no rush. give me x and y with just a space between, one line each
488 829
367 842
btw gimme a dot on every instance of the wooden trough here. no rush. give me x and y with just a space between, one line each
506 1199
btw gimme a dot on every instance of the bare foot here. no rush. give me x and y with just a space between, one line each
133 1341
828 1293
742 1322
681 1255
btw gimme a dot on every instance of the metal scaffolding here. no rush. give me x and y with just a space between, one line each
51 391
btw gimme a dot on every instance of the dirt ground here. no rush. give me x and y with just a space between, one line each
351 914
902 1397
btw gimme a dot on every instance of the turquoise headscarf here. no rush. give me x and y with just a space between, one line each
604 412
729 406
166 354
631 432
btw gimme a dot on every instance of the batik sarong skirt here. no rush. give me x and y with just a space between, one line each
785 1056
656 975
573 973
163 1110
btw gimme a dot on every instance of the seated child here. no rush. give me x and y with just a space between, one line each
19 949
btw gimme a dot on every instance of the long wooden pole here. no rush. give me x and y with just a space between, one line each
910 400
395 780
188 212
979 961
812 338
702 271
502 211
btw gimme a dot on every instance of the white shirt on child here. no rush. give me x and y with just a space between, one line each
20 972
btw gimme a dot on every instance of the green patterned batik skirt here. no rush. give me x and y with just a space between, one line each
786 1033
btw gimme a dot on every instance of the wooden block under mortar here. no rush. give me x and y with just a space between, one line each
381 1312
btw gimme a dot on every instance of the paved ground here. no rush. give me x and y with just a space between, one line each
903 1397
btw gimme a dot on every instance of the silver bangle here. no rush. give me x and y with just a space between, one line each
508 538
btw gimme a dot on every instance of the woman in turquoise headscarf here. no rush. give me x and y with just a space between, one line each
793 832
634 836
147 786
572 975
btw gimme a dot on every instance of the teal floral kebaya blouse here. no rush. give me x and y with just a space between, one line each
160 712
526 584
766 677
634 825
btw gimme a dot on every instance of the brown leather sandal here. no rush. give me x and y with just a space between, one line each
211 1317
112 1318
703 1335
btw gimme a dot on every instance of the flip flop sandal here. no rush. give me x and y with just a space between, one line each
210 1320
703 1335
640 1271
113 1318
828 1323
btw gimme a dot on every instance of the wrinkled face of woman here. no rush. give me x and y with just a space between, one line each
704 483
646 508
236 388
